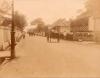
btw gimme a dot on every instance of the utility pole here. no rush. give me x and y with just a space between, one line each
12 33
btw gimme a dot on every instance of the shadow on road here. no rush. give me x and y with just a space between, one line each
2 60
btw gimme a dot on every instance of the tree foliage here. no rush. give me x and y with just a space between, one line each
19 20
37 21
40 24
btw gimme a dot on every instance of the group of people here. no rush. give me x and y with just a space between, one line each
51 34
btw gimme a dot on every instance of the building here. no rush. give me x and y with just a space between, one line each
62 25
94 11
80 27
4 31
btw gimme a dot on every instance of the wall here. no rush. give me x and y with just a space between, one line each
94 10
5 35
97 29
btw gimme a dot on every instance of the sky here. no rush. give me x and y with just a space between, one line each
49 10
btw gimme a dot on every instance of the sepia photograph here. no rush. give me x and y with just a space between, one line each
49 38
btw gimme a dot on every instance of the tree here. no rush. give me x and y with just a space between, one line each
5 12
19 20
37 21
40 24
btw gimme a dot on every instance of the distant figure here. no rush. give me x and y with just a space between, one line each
64 34
23 35
48 35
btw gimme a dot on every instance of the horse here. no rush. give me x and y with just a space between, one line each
31 33
53 35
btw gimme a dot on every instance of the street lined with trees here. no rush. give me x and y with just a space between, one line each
64 48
